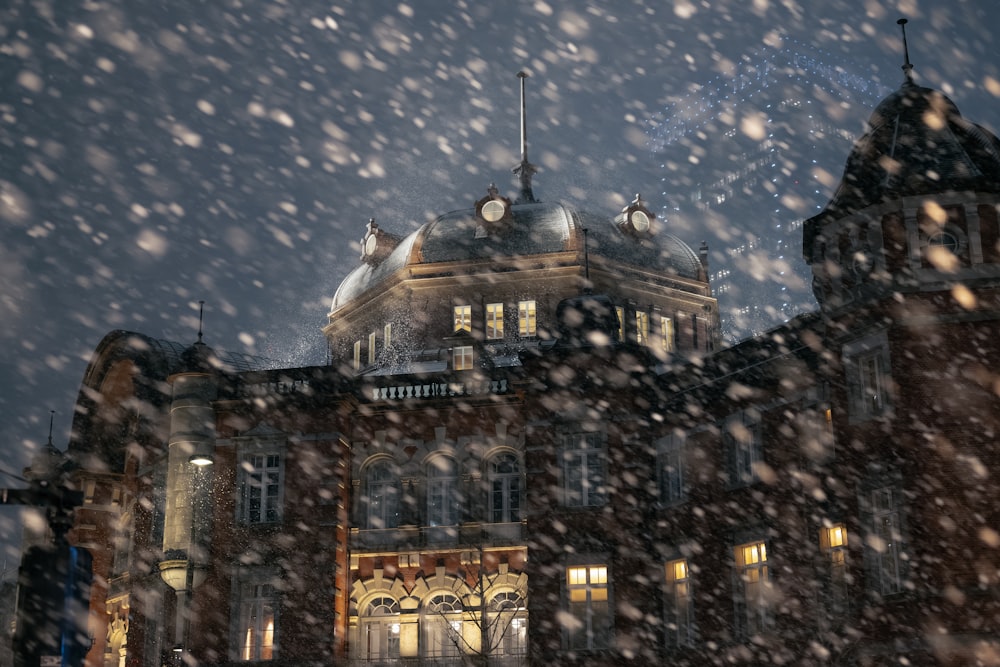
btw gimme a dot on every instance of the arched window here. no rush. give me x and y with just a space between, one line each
442 626
505 488
508 625
380 630
442 492
382 495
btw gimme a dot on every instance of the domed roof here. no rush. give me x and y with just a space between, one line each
535 228
917 143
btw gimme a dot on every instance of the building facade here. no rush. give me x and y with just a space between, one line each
528 447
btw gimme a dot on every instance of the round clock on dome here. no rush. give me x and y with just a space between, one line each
636 219
493 209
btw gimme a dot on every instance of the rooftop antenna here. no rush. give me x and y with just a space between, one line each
52 419
524 170
907 66
201 316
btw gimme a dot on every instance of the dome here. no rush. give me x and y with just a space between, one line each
917 143
534 229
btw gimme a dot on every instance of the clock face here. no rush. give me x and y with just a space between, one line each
640 221
370 244
493 210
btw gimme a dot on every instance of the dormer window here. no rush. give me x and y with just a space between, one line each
376 244
636 219
493 209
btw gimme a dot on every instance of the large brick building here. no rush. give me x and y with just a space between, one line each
527 447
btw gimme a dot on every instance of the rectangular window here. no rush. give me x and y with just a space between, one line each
261 488
587 590
583 470
443 506
257 622
494 321
526 322
884 544
833 543
871 384
679 611
642 328
371 348
387 336
620 312
357 354
463 318
667 334
866 363
753 589
742 443
671 470
462 357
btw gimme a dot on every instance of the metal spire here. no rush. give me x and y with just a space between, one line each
52 418
524 170
907 66
201 315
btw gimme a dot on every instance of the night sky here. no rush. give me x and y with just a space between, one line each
156 154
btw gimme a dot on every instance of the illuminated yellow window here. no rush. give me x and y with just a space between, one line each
667 334
387 335
371 348
494 321
621 322
753 594
357 354
463 358
587 588
526 318
679 616
642 328
463 318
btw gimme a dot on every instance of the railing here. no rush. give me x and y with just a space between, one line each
420 536
450 661
439 389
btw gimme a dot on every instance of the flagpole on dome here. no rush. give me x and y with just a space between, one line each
525 170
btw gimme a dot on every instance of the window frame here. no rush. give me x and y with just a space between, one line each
390 495
441 631
271 510
833 543
510 508
386 627
588 600
584 469
679 604
493 325
667 341
741 434
642 327
671 482
752 584
463 358
527 318
885 526
258 601
443 499
462 317
869 377
508 639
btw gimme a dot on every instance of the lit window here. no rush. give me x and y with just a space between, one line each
620 312
463 318
667 334
357 354
382 495
679 616
671 472
508 624
833 542
257 622
442 492
587 590
505 489
753 589
462 357
371 348
743 446
387 336
526 323
583 470
494 321
261 485
884 544
642 328
380 630
442 626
